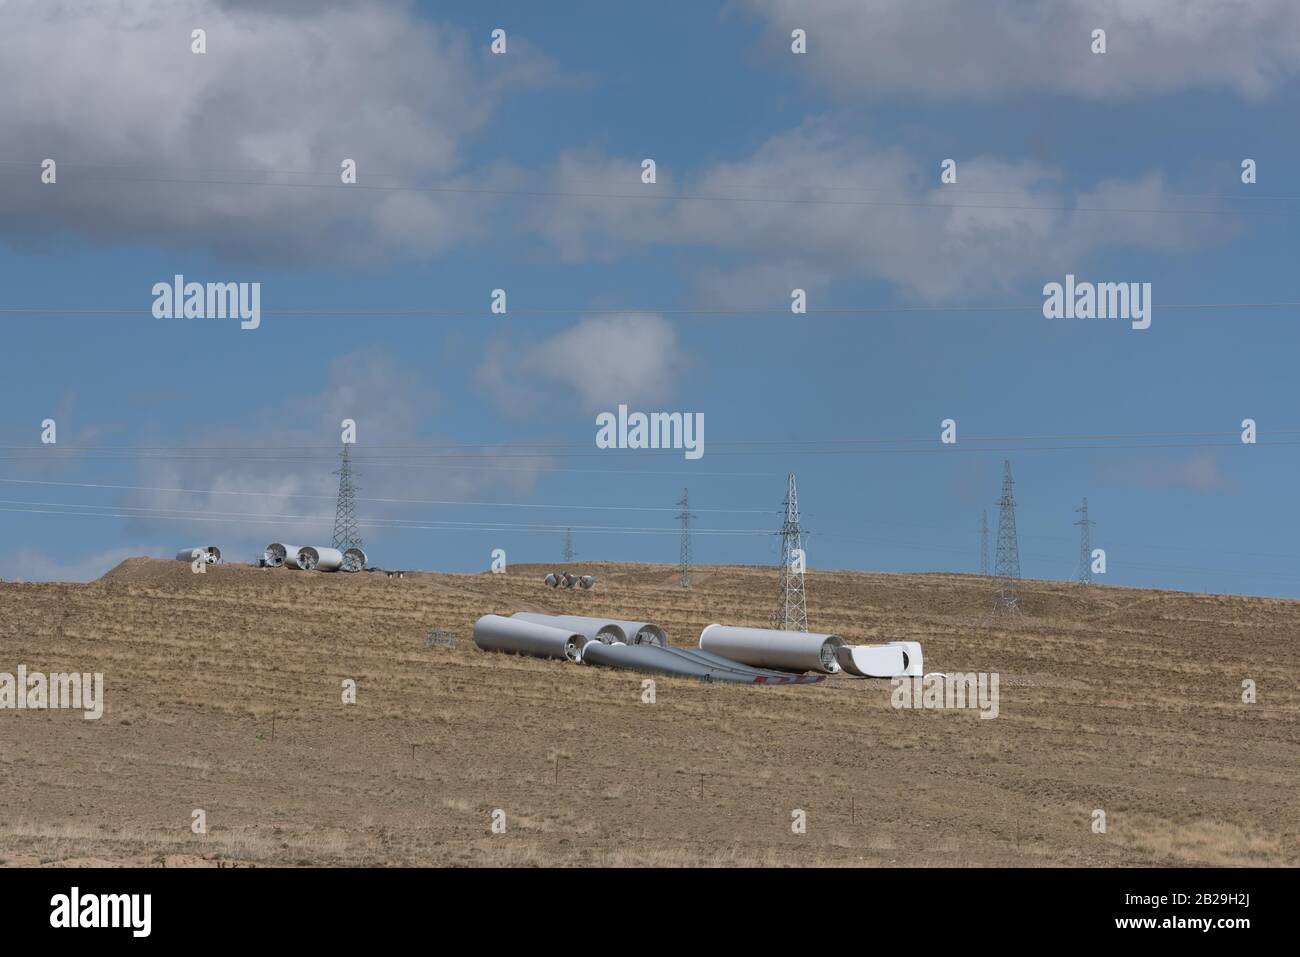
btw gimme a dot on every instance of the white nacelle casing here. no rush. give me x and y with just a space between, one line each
913 665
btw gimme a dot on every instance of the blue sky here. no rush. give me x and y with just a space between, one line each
776 171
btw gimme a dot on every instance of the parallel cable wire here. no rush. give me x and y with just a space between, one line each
479 310
58 509
649 192
657 194
589 507
633 172
476 467
387 501
393 459
265 518
30 164
141 511
1058 560
563 445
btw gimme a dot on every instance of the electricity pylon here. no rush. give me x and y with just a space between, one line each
1007 564
347 530
792 612
1085 545
685 516
984 542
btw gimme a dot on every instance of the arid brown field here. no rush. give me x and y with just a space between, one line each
224 694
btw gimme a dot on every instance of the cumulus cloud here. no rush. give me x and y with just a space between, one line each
784 212
955 49
159 144
599 362
764 283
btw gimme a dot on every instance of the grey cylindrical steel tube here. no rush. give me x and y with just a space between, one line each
321 559
354 559
717 661
597 629
761 675
277 554
660 661
643 633
214 554
773 648
512 635
192 554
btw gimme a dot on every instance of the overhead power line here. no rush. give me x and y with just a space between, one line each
914 526
647 193
390 501
1057 560
386 179
489 447
70 510
932 447
170 514
478 311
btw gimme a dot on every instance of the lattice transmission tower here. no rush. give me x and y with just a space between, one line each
347 530
984 541
1085 545
569 553
685 516
1007 563
792 612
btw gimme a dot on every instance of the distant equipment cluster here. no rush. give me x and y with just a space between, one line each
565 580
277 555
314 558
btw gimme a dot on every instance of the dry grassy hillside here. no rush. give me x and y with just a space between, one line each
224 693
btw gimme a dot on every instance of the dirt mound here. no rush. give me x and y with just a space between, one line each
160 573
141 571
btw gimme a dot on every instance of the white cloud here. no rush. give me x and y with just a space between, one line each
902 226
599 362
957 49
283 90
1200 472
